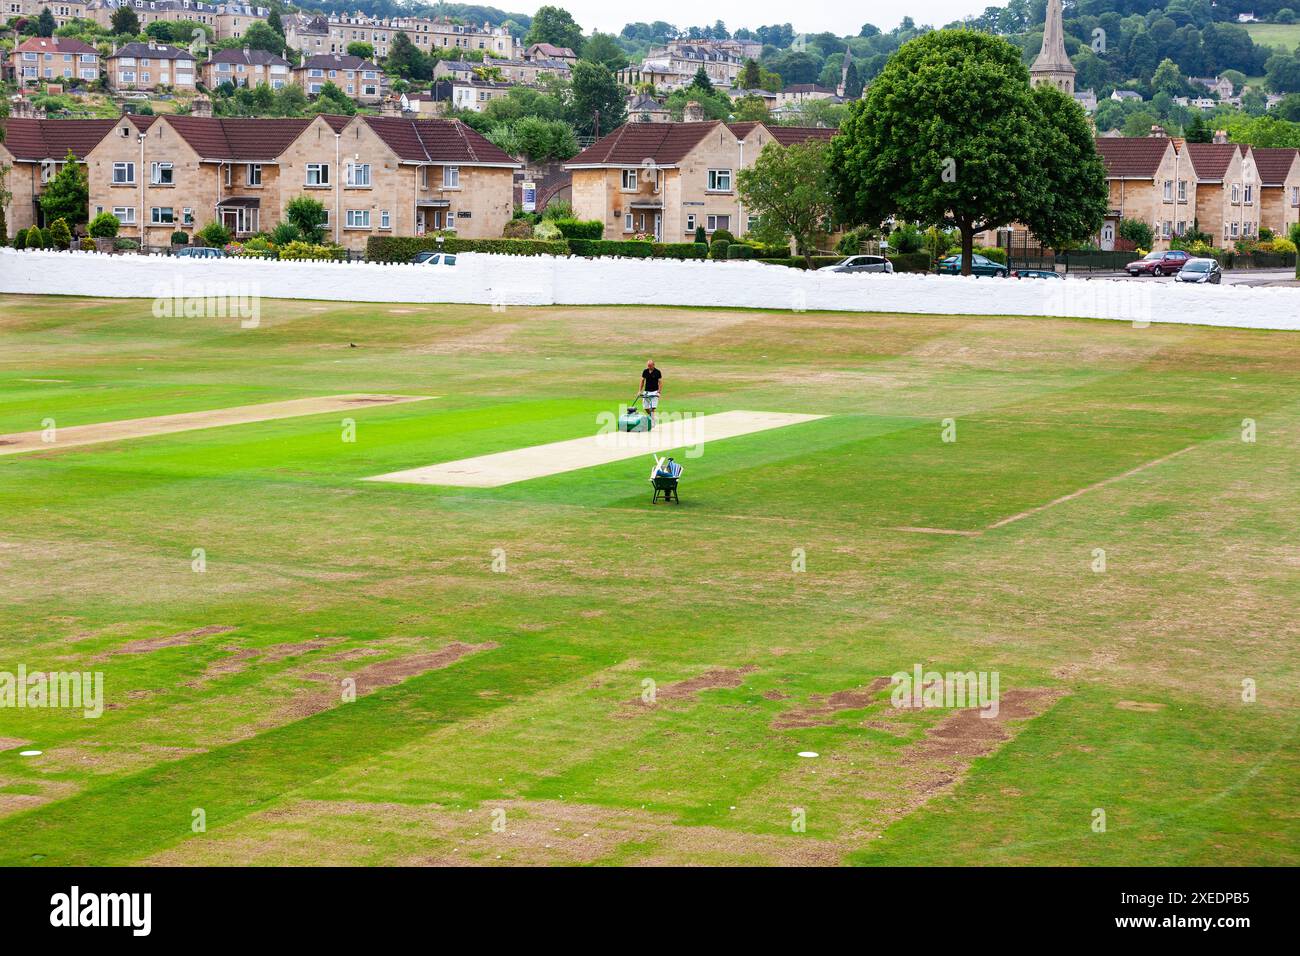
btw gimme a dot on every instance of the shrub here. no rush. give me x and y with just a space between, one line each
214 234
558 209
87 245
402 248
125 245
35 238
580 229
628 248
307 216
911 261
723 235
1284 246
679 250
103 226
260 247
700 236
718 248
307 250
517 229
546 231
738 250
284 233
60 234
796 262
907 238
991 252
20 239
180 238
1137 232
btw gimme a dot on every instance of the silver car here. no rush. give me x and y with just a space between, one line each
863 264
1200 270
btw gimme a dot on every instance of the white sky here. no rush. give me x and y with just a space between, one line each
842 17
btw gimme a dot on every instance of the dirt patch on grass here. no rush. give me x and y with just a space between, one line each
528 833
824 708
1142 706
374 677
149 644
12 743
718 678
241 658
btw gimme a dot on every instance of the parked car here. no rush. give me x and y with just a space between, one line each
431 258
1200 270
1037 274
201 252
863 264
980 266
1159 263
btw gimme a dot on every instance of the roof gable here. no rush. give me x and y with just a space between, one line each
436 141
1211 160
1275 163
664 144
1132 158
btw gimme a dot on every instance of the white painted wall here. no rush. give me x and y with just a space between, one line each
547 280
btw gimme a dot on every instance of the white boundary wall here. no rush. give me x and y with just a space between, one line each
547 280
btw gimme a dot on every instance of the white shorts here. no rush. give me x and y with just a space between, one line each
649 401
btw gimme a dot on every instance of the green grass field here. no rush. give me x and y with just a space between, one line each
1285 36
556 600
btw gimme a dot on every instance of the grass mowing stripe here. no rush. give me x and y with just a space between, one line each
140 814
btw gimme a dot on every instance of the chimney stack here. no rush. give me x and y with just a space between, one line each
693 113
200 106
1220 136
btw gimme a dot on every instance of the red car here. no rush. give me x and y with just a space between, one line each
1159 263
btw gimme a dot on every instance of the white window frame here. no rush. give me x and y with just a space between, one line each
128 174
358 175
717 177
1249 194
385 219
1169 190
125 215
156 171
711 222
630 182
156 217
690 222
253 174
321 173
358 219
627 222
451 177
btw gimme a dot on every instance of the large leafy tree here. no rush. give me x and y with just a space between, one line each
259 36
123 21
406 60
67 194
1074 204
790 189
950 133
596 101
556 26
45 23
602 48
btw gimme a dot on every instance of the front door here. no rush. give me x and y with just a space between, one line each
1108 237
419 222
230 219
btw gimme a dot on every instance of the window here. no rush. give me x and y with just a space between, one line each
187 216
123 174
1166 228
358 174
318 174
125 214
1295 195
1234 229
1236 193
358 218
629 180
1182 227
627 223
385 220
1169 189
690 222
1182 190
1250 194
162 215
451 177
424 177
714 223
253 174
720 180
162 174
227 170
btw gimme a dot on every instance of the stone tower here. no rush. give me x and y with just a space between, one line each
1053 66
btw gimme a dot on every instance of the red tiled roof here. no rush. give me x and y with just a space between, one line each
34 140
1132 158
1211 160
237 138
789 135
633 143
1273 163
436 141
743 129
54 45
337 61
161 51
249 57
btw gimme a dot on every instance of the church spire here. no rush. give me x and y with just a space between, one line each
1053 66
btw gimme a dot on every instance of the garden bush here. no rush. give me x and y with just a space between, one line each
20 239
87 245
180 238
738 250
308 250
60 234
580 228
103 226
402 248
628 248
718 248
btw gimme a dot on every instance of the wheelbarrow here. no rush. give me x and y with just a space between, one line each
664 477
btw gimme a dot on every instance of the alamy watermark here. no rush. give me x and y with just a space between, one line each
955 689
188 298
73 690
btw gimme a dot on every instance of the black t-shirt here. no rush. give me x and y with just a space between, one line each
652 376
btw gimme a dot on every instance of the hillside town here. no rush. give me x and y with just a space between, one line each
179 115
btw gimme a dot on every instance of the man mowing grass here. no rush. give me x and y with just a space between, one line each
650 389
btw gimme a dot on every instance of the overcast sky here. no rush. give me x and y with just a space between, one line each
842 17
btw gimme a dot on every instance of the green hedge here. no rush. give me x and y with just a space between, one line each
628 248
819 262
911 261
402 248
738 250
680 250
580 229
